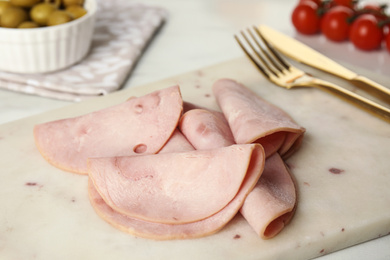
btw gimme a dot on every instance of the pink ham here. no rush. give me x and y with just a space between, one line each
187 106
173 187
271 204
253 119
138 126
205 129
200 228
177 143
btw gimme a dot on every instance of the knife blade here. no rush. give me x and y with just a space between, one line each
306 55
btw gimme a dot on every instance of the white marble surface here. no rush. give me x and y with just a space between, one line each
198 33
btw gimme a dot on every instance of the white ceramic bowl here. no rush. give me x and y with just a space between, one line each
47 49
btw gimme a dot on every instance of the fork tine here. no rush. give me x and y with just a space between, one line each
251 57
263 57
265 52
262 54
277 70
276 55
259 56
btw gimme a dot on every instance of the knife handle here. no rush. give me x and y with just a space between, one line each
362 102
372 88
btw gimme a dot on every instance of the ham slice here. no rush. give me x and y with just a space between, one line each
252 119
163 231
173 188
146 178
206 129
138 126
177 143
271 204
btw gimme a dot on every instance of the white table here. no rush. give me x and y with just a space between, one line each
198 33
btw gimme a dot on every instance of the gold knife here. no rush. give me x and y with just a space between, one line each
306 55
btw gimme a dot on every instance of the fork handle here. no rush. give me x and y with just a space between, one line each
354 98
372 87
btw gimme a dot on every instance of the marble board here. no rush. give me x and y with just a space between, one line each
342 172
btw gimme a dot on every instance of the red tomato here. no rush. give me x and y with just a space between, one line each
386 29
373 7
347 3
305 18
335 25
387 42
377 10
318 2
365 32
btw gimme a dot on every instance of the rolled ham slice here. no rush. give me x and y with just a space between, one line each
206 129
173 188
271 204
200 228
252 119
138 126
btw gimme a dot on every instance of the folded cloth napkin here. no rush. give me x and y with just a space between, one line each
123 28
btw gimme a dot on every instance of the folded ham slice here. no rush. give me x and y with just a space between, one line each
271 204
146 178
206 129
177 143
252 119
173 187
138 126
200 228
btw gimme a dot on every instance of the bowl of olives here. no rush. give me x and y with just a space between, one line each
40 36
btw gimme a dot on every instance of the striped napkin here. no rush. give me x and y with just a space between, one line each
123 29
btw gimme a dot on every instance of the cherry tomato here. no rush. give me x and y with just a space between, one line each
305 18
318 2
365 33
377 10
386 29
347 3
335 25
373 7
387 42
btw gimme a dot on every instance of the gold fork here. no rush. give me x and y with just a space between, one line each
277 70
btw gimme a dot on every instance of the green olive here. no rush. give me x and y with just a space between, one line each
28 25
13 17
57 3
76 11
59 17
25 3
40 13
72 2
4 5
